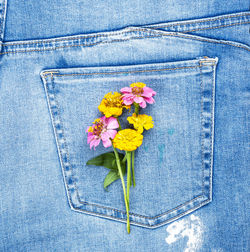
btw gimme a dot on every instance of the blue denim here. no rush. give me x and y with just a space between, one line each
57 60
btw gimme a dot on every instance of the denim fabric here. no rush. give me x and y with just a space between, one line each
56 62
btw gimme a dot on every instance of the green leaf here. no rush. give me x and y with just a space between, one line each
110 178
106 160
123 165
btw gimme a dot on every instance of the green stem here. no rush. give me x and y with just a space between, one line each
133 167
123 186
128 173
137 108
124 159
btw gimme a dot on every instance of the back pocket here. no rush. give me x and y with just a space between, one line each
173 167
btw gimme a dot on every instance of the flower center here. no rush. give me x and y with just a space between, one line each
137 91
113 102
98 128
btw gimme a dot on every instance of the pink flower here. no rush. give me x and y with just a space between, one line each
138 93
102 129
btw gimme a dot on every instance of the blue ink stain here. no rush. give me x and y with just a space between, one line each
161 148
170 132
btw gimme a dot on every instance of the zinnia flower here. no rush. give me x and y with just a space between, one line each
112 104
141 121
128 140
102 129
138 93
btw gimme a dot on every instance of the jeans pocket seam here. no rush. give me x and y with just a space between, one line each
72 190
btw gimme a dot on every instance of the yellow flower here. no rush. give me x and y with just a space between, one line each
141 121
128 140
138 84
112 104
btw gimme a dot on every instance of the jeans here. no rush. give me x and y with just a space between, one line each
58 59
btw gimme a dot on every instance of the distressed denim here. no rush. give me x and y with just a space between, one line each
58 59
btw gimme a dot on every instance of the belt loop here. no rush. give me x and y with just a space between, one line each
3 7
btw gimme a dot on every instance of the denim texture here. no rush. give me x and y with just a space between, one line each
56 62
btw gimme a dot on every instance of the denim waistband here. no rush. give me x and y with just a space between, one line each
133 32
205 23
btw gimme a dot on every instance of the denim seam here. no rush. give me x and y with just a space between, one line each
127 39
139 215
210 28
212 134
81 45
183 23
71 203
202 133
121 33
110 34
136 71
146 225
65 143
57 138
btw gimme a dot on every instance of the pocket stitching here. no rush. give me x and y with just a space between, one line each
202 134
136 71
45 75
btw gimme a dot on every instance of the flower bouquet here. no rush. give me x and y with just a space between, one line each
108 130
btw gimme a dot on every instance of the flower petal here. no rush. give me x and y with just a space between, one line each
107 143
103 118
138 99
90 137
95 142
128 97
127 101
126 90
143 104
105 136
112 123
112 133
148 92
149 100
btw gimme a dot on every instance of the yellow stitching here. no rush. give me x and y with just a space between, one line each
202 21
91 44
202 133
121 40
138 215
207 28
207 61
142 224
116 33
135 71
74 38
212 137
171 210
59 146
177 216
